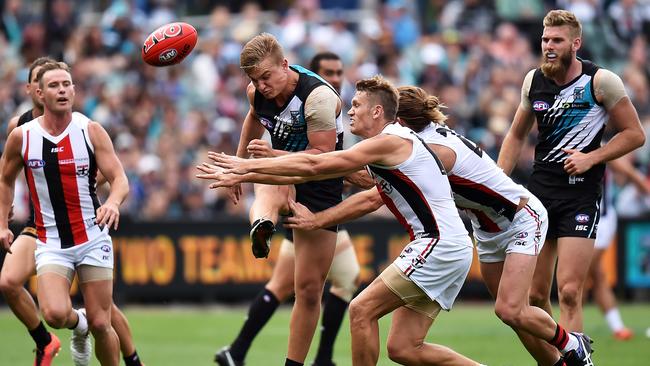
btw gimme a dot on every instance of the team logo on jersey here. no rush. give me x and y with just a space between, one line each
578 93
385 187
540 105
35 163
82 170
582 218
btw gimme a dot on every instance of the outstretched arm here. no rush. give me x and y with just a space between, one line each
351 208
317 167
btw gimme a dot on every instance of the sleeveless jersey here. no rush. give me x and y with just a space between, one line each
482 189
61 175
287 124
24 118
568 117
417 192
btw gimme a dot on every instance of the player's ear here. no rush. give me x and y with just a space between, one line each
577 43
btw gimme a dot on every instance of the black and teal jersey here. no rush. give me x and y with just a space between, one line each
568 117
287 124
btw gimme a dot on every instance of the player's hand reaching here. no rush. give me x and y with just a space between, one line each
230 164
108 215
260 149
6 238
213 172
577 163
301 217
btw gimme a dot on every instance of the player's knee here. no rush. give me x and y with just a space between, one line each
9 285
99 325
309 293
510 314
281 291
570 294
401 351
537 298
360 314
55 317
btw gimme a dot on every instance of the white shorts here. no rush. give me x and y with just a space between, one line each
97 252
606 229
438 267
525 235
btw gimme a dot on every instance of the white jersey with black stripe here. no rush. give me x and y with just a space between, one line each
418 193
61 174
480 187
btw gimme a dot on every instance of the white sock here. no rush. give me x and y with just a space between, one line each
82 325
571 344
613 318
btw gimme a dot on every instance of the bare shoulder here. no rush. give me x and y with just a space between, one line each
14 140
97 133
13 123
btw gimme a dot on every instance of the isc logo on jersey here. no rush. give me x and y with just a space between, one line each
540 105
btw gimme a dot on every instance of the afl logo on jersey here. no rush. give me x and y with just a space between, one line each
540 105
582 218
35 163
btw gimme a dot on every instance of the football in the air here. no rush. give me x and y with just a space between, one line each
169 44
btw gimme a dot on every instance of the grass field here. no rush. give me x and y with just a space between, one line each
190 336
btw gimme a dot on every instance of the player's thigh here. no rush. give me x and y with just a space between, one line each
314 252
271 195
53 291
491 273
574 260
409 328
19 265
98 300
516 279
544 269
374 301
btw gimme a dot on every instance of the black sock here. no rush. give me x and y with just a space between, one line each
132 360
289 362
560 362
333 313
259 314
41 336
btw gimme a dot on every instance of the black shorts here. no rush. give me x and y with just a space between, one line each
576 217
320 195
29 230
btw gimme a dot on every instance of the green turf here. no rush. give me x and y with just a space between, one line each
190 336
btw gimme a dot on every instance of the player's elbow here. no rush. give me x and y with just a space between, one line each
640 138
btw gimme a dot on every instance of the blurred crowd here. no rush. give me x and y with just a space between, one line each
473 54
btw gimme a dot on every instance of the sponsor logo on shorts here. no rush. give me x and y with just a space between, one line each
582 227
582 218
106 248
521 243
35 163
106 257
573 179
521 235
408 250
540 105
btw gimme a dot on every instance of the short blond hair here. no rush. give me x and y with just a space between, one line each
258 49
558 18
383 93
49 67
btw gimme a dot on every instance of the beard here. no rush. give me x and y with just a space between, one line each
554 70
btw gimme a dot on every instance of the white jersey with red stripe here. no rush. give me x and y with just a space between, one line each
61 174
418 193
480 187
